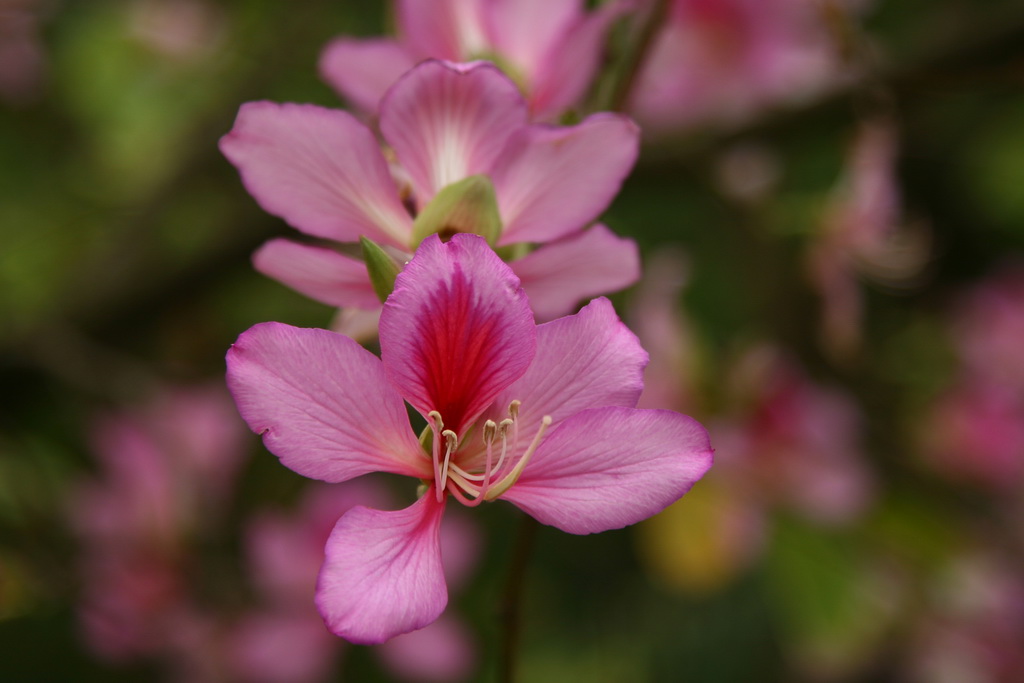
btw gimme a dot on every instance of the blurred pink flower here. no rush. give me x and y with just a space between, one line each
988 327
180 29
23 58
458 342
975 429
550 48
166 471
975 433
973 623
794 443
863 234
720 61
324 172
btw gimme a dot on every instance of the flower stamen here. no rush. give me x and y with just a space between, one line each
436 424
513 413
509 479
503 427
452 440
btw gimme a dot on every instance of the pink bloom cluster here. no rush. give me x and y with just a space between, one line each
541 416
474 221
325 173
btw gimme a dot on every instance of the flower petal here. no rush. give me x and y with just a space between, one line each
587 360
322 404
558 275
382 572
457 329
567 71
442 29
361 71
319 273
608 468
552 181
449 121
525 31
319 169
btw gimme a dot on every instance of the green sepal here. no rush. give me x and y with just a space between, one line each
466 206
427 440
382 268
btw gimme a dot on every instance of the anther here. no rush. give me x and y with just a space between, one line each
503 427
512 477
513 408
490 431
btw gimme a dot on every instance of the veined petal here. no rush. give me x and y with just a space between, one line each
449 121
319 169
457 329
319 273
382 572
322 404
552 181
363 70
567 71
608 468
587 360
442 29
559 274
526 31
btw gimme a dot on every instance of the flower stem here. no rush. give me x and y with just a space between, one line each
511 601
643 39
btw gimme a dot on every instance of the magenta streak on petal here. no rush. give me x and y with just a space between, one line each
455 345
457 329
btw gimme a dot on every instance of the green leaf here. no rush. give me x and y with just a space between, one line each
466 206
382 268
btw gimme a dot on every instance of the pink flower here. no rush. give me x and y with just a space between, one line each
863 233
324 172
988 327
721 60
540 416
974 433
551 48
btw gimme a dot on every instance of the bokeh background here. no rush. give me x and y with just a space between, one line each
834 285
